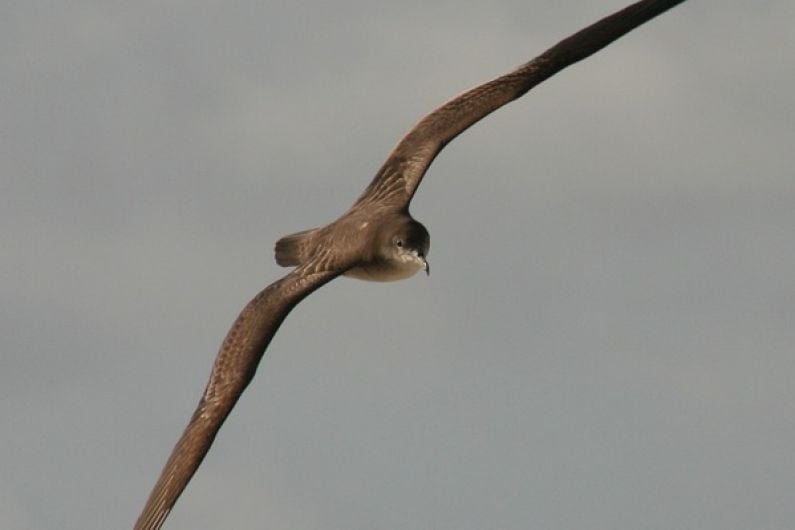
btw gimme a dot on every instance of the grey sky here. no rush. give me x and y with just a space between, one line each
606 340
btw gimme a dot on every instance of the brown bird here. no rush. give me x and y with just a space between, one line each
377 239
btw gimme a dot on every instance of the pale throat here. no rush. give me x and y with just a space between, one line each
397 268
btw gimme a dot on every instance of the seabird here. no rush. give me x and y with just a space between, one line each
376 239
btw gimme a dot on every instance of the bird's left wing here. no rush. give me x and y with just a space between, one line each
234 367
396 182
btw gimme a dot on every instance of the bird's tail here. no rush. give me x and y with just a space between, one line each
293 250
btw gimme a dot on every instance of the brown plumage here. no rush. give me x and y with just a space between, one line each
376 239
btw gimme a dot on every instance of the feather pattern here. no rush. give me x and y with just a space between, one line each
347 244
398 179
234 367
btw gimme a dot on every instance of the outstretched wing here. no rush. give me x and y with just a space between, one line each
396 182
234 368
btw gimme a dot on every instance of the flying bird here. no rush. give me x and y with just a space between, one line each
376 239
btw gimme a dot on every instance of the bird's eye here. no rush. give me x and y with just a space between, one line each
399 242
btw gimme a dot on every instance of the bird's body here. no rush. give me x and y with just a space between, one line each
396 249
377 239
387 247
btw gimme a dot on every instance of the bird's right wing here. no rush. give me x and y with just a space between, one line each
234 367
396 182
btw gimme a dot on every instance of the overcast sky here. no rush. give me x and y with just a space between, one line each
606 338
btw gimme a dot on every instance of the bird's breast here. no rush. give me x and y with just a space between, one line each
384 271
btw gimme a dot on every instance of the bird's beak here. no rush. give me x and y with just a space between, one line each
427 267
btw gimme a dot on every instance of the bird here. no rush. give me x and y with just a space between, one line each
377 239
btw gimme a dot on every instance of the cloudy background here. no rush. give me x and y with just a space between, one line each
606 338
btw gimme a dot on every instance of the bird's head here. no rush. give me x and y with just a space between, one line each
406 242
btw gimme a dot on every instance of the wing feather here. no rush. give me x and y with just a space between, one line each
397 180
234 367
393 187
